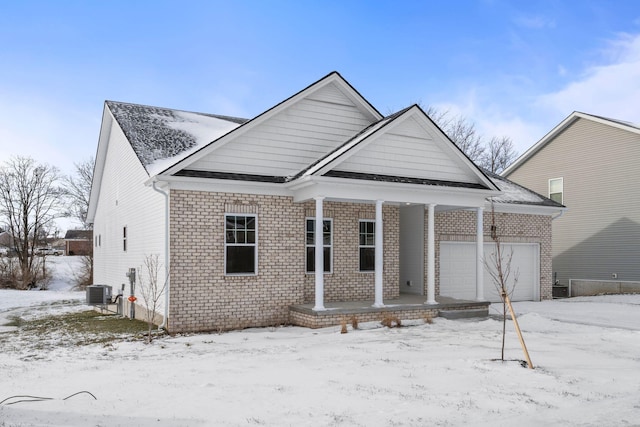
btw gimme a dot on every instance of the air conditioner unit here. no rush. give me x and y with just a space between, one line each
98 294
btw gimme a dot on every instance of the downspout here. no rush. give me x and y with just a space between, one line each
553 218
163 325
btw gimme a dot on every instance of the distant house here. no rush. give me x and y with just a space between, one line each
6 239
589 164
78 242
319 200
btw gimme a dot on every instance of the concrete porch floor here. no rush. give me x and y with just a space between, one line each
404 307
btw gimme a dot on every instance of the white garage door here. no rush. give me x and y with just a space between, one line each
458 270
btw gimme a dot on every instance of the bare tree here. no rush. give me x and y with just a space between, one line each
152 286
461 131
501 272
494 155
29 202
499 154
78 190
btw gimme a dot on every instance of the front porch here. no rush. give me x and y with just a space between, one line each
405 307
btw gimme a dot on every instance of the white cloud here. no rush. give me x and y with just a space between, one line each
535 22
610 90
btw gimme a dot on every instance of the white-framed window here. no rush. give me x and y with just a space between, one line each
124 238
240 244
327 242
556 190
367 245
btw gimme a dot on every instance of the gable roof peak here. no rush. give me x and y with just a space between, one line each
564 124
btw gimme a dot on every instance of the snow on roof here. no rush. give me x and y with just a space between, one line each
517 194
161 137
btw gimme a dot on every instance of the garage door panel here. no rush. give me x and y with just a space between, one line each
458 265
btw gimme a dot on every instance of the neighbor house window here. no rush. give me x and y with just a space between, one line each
556 189
367 245
240 246
327 242
124 239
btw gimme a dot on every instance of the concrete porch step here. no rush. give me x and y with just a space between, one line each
465 314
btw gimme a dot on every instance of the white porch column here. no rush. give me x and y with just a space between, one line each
378 256
479 256
319 259
431 256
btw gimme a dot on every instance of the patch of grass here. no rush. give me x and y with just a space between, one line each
14 321
75 329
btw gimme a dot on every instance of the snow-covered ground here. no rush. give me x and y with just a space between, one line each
586 352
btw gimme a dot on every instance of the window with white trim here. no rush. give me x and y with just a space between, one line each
124 239
240 244
556 190
327 242
367 245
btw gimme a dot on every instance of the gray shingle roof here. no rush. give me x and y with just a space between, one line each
516 194
153 131
78 235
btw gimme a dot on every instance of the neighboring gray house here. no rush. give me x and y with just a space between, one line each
589 164
242 212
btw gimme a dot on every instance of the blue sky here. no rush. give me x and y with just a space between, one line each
514 68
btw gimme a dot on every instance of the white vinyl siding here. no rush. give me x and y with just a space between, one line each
410 150
125 201
292 139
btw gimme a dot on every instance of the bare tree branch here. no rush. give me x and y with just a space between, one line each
461 131
152 287
494 155
29 202
78 190
499 154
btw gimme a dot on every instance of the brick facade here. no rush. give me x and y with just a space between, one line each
347 283
204 298
512 228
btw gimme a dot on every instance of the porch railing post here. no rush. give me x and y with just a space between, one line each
319 256
431 256
378 256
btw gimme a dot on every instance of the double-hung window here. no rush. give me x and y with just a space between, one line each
367 245
240 247
327 243
556 190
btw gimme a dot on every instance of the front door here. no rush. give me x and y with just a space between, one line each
412 224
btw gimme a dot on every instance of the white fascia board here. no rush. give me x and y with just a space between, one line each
540 144
268 114
559 128
523 209
350 189
220 185
612 123
100 160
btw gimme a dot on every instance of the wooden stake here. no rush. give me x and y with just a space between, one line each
515 323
